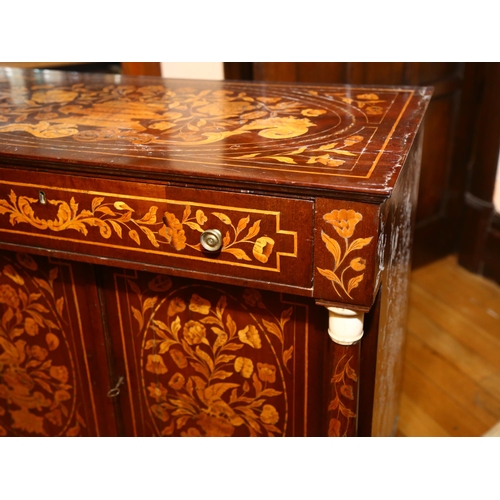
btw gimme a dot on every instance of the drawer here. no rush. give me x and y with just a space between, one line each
141 225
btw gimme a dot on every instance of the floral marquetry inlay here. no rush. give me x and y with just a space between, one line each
184 115
37 373
346 274
212 364
177 229
313 129
342 406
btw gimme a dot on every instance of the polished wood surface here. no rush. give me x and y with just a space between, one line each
265 136
452 360
449 139
236 234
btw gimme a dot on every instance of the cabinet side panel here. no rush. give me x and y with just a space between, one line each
398 233
50 382
203 359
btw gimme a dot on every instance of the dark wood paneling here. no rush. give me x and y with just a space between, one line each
141 68
238 71
480 238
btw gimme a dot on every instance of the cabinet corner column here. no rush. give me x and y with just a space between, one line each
345 328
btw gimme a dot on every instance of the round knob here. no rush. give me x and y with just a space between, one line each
211 240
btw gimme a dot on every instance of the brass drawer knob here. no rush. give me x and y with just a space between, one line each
211 240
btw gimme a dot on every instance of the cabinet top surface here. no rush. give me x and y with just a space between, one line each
286 137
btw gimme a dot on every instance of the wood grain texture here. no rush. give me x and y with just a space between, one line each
448 142
451 384
264 136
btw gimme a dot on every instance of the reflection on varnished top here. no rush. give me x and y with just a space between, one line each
308 134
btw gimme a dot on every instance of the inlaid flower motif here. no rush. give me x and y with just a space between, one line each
176 305
195 333
178 358
252 297
267 373
215 426
263 248
160 283
27 261
199 304
39 353
55 417
59 373
21 382
9 296
326 160
201 218
174 232
160 412
313 112
177 381
155 364
244 366
52 341
31 327
269 415
9 271
225 109
53 96
344 221
358 264
353 139
367 97
26 421
157 391
62 396
249 335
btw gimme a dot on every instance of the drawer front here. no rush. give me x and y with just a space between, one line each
262 238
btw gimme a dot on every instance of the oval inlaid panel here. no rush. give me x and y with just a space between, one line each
37 368
208 367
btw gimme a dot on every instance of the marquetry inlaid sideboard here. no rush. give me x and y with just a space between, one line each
201 258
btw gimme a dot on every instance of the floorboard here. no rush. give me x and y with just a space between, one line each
451 382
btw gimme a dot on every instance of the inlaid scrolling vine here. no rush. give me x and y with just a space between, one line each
341 406
200 374
344 223
118 217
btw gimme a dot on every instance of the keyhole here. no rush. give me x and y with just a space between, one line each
42 198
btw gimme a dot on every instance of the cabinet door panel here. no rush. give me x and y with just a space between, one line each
205 359
50 349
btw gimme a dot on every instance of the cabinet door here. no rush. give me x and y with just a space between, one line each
203 359
53 372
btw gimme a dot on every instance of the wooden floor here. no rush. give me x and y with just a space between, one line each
451 381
